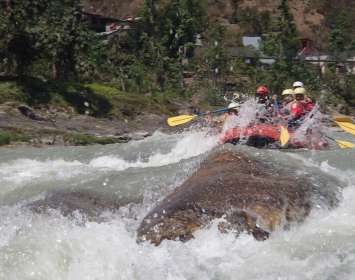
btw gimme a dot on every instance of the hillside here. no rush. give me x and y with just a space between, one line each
114 9
309 15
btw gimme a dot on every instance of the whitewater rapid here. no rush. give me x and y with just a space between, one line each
51 246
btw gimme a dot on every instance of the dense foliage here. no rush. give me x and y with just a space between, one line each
45 37
51 40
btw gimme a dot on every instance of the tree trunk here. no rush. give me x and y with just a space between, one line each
55 71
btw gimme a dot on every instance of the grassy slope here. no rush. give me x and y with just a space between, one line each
95 99
99 100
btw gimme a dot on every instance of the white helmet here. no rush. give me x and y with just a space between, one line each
298 84
233 105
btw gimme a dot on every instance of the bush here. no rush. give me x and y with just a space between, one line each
10 91
7 138
4 139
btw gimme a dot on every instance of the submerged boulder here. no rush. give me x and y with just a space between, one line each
250 195
87 203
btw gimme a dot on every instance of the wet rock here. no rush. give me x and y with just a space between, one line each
87 203
43 125
248 194
139 135
30 113
125 138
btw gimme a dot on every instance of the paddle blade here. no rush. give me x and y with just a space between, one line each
347 126
284 136
345 144
343 119
174 121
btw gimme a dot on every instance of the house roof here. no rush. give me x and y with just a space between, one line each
253 41
348 56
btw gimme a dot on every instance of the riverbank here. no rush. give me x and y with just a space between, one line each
37 113
23 125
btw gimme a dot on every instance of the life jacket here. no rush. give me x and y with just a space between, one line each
297 109
263 99
308 106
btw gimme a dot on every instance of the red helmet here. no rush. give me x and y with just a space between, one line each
262 90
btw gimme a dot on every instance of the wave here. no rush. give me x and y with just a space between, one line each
22 171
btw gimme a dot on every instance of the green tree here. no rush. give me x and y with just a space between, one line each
215 56
64 36
339 39
17 41
168 32
253 21
282 41
213 64
51 30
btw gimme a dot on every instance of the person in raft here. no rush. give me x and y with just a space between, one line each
286 100
262 95
307 101
297 84
267 107
297 108
231 116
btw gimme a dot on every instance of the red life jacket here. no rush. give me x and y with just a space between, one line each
297 110
309 106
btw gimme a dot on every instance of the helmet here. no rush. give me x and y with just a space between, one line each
233 105
297 84
300 90
262 90
288 91
236 95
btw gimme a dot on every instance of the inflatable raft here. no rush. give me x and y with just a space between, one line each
262 135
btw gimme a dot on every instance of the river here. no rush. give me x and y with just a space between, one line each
138 175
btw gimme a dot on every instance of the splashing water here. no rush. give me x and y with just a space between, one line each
24 170
27 177
312 121
247 115
51 246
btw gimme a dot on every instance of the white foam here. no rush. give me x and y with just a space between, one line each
23 171
312 122
191 145
53 247
247 115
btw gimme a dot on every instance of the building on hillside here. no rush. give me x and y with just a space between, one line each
307 47
106 25
254 41
251 52
344 62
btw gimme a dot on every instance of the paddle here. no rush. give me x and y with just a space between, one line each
343 144
284 136
347 126
343 119
178 120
